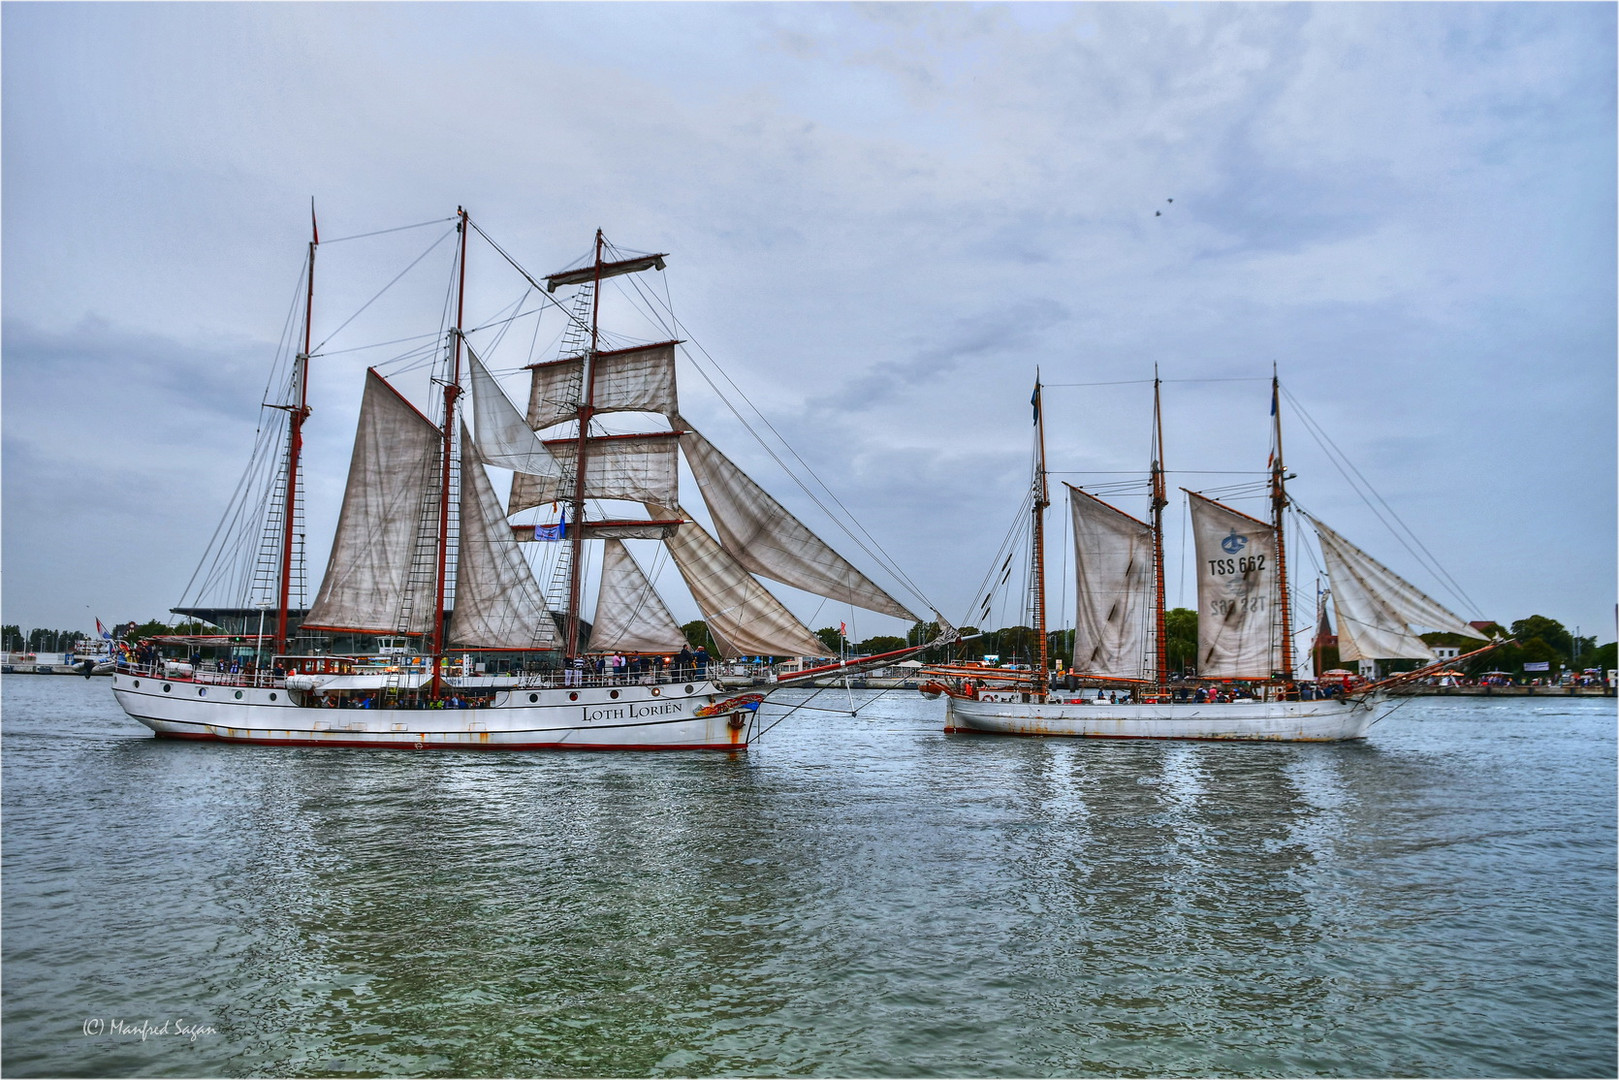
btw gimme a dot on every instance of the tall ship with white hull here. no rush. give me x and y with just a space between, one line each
431 627
1245 688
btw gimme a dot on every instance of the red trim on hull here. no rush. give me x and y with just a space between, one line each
357 744
1149 738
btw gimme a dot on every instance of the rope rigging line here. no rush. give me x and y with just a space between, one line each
382 232
1148 382
788 710
384 289
1341 461
543 292
987 587
377 345
213 566
879 555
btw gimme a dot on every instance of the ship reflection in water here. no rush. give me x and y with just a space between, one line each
855 896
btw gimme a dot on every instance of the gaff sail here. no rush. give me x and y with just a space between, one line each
1237 637
391 501
1114 581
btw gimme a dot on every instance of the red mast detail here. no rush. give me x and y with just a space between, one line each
1042 499
452 388
295 442
1159 501
1278 502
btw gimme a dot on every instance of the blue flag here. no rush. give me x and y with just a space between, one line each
559 531
1034 400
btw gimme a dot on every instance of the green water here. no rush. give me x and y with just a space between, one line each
851 897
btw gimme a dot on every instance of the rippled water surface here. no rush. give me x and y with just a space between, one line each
855 896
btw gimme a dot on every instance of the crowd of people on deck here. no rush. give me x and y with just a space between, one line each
617 669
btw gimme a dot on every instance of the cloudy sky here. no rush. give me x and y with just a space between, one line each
882 219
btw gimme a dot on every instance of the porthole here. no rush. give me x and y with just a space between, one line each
613 694
534 697
272 697
657 691
238 695
136 684
202 691
165 688
573 695
688 688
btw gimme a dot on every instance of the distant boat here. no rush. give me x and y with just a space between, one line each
426 573
1246 688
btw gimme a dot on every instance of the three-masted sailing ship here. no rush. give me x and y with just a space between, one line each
1245 686
427 571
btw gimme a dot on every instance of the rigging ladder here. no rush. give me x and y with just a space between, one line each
575 342
265 591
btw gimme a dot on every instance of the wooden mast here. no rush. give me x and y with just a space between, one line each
587 408
452 389
1042 500
1278 503
1159 501
295 441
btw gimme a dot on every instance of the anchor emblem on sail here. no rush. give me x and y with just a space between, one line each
1233 543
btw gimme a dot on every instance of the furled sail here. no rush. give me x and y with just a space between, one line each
390 504
603 530
630 616
498 604
1113 631
637 468
761 535
641 379
1378 610
1236 593
743 617
504 438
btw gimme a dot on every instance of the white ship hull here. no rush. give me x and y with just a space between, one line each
632 717
1331 720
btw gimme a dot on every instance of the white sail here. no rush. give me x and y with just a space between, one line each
498 604
391 504
744 618
630 616
637 468
1113 630
641 379
760 533
504 437
1236 593
1378 611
